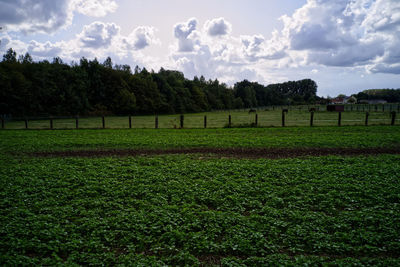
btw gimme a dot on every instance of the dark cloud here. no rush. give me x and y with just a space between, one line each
313 36
346 33
350 56
34 16
48 16
386 68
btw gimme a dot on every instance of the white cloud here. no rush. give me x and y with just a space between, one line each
7 42
383 16
186 34
318 25
48 16
256 48
342 33
140 38
4 41
46 50
252 44
98 34
345 33
217 27
96 40
199 53
94 8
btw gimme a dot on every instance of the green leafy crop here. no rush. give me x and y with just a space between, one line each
191 210
199 210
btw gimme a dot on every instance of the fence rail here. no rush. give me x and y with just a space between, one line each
262 118
388 107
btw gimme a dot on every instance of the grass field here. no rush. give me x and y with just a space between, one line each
200 210
271 118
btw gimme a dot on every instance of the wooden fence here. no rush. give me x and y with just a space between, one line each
202 121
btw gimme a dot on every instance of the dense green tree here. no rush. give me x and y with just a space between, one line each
10 56
390 95
88 87
108 63
245 90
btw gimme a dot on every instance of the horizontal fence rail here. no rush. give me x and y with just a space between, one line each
281 116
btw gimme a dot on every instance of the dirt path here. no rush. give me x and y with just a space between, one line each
270 153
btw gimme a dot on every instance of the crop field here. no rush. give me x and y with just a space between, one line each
201 197
266 118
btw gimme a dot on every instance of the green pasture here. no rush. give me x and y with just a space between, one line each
270 118
199 210
288 137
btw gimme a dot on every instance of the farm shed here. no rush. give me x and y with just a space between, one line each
335 108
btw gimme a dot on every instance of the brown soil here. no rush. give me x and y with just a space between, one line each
270 153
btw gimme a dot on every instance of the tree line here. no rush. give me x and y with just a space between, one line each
390 95
29 88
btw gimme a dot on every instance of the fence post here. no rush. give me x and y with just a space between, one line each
77 122
366 118
181 119
340 119
26 123
205 121
283 118
256 121
130 122
51 123
312 118
156 122
393 117
103 121
230 121
2 123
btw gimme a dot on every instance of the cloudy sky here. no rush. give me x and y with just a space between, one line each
344 45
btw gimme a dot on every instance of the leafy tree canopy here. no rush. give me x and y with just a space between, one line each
89 87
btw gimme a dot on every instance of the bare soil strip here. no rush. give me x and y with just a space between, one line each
269 153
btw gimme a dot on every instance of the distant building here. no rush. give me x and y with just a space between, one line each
337 100
342 100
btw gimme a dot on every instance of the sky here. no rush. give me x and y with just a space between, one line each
345 46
